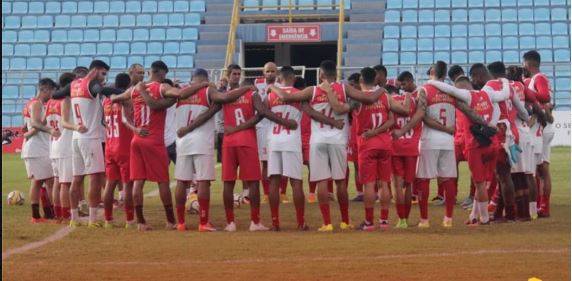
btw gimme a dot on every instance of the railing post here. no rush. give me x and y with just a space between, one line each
289 11
341 21
235 19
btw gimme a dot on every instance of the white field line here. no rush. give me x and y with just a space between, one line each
172 185
30 246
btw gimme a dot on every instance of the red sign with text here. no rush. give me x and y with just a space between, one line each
12 139
293 33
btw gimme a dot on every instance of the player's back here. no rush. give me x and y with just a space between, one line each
60 147
87 110
519 89
321 132
281 138
540 86
508 111
483 106
197 141
145 117
39 144
371 116
408 144
118 136
235 114
440 107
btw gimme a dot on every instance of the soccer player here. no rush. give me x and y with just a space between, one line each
35 149
196 106
481 157
353 81
60 153
148 156
380 75
117 148
540 85
285 151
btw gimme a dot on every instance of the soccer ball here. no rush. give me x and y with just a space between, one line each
237 199
15 198
192 204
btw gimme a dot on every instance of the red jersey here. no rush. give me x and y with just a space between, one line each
372 116
507 110
482 105
118 136
539 85
460 124
145 117
306 128
236 113
408 144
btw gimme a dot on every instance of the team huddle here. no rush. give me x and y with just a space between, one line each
395 132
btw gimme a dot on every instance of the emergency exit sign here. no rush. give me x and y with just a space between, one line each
293 33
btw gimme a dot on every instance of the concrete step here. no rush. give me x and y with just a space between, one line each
365 34
367 17
211 49
217 19
209 63
213 35
361 61
364 49
218 7
369 5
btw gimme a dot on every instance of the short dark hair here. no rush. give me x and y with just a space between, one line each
328 67
122 81
287 71
514 73
391 89
381 68
368 75
158 65
80 69
98 64
47 82
532 55
232 67
475 67
354 77
440 68
66 78
497 69
454 71
462 79
404 76
169 82
300 83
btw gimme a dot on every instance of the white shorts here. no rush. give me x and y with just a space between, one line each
526 162
285 163
433 163
87 157
328 161
39 168
262 142
198 167
538 159
65 170
547 137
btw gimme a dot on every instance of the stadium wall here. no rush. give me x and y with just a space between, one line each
561 128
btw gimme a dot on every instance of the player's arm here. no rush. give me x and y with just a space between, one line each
123 97
192 89
156 104
522 113
471 114
337 106
127 120
542 87
200 120
460 94
250 123
397 107
262 108
62 93
434 124
319 117
498 96
230 96
386 126
303 95
416 118
361 97
28 133
38 123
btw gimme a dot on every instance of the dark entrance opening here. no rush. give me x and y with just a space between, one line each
311 55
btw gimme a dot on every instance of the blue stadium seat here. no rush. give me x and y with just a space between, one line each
138 48
72 49
409 16
6 8
10 92
492 29
94 21
52 8
475 3
174 34
160 20
20 8
305 3
69 7
390 45
442 30
525 14
26 36
29 21
120 48
199 6
408 31
476 43
426 16
134 59
476 30
107 35
458 3
442 16
165 7
88 49
34 63
117 7
52 63
425 44
476 56
546 55
407 58
78 21
509 29
55 50
492 3
149 7
442 3
559 2
6 120
102 58
562 84
149 60
526 29
276 3
171 61
17 121
425 58
561 42
7 49
492 15
110 20
75 35
391 31
541 2
562 55
541 14
542 28
45 22
509 15
59 35
192 19
185 61
91 35
393 4
171 48
144 20
527 42
118 62
459 43
510 57
559 14
181 6
124 35
85 7
41 36
544 42
444 56
493 43
560 28
104 49
22 50
188 48
442 44
409 44
127 20
459 30
141 34
190 34
476 15
12 22
68 63
509 42
133 7
9 36
157 34
410 4
176 20
392 16
62 21
426 4
426 31
101 7
459 15
84 61
155 48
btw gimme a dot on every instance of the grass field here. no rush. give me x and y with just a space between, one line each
497 252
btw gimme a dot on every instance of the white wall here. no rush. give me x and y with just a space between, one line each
561 128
